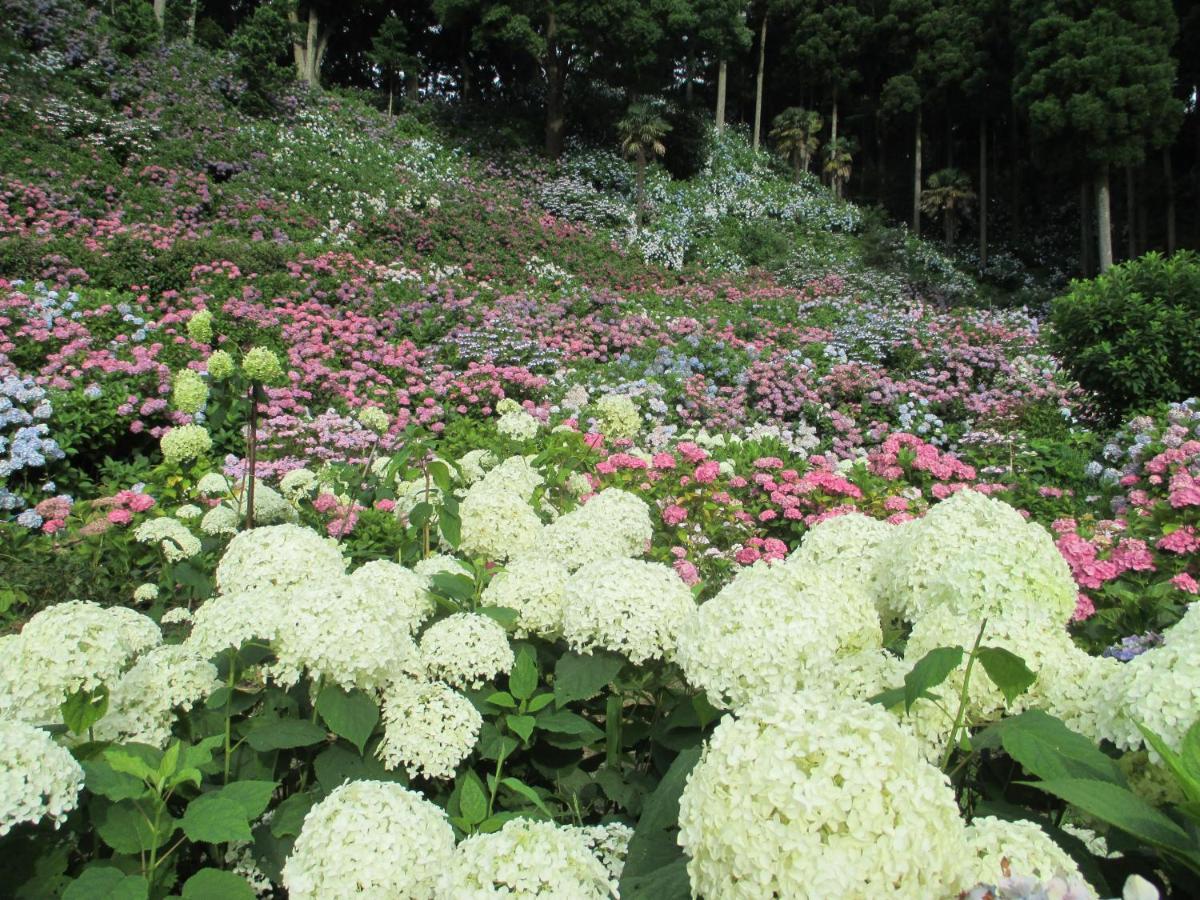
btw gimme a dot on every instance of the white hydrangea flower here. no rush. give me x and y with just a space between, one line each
227 621
465 649
220 521
515 474
1028 850
497 523
180 615
473 465
441 564
298 484
618 415
429 728
980 558
270 506
518 425
144 593
38 778
628 606
1075 687
610 844
850 550
526 859
405 590
812 795
370 839
613 523
173 537
344 630
188 511
142 703
277 556
762 635
533 586
66 648
213 484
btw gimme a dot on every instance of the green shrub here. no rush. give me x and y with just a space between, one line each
1132 335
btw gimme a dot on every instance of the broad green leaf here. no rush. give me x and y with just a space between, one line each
107 883
563 721
252 796
450 525
1119 807
541 701
520 787
83 709
339 764
289 815
653 845
1047 748
1190 751
458 587
130 764
349 714
890 698
213 819
284 734
215 884
440 473
1007 671
669 882
502 614
102 779
419 514
523 679
1173 761
502 699
580 676
123 827
931 670
472 801
170 760
521 725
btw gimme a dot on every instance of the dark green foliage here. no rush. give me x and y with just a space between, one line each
261 44
690 140
133 30
1132 336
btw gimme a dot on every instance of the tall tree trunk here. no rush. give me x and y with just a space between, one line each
555 84
722 68
983 194
689 72
1169 175
160 14
1104 220
758 86
916 199
833 125
412 87
191 26
1130 215
391 95
796 164
1085 229
293 17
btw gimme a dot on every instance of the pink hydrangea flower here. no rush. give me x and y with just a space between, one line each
1084 608
707 472
674 514
1186 582
120 516
687 572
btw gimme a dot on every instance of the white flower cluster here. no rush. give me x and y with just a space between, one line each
428 728
613 523
618 416
440 564
526 859
497 522
270 506
405 590
369 839
515 422
628 606
811 795
227 621
610 843
465 650
1029 851
173 537
38 778
762 634
534 587
849 551
298 484
66 648
473 464
277 556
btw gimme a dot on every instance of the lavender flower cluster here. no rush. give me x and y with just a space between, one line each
24 440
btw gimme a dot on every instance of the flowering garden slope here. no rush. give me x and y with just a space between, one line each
596 575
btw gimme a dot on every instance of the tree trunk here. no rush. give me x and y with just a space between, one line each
412 87
834 123
191 26
758 87
293 17
916 200
391 95
555 84
948 228
1104 220
721 78
796 164
983 194
1169 175
689 71
1085 229
1130 215
160 14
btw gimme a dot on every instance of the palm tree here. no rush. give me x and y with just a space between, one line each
839 163
641 133
948 194
795 133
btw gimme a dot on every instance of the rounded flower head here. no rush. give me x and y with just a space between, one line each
38 778
979 557
515 474
369 839
298 483
534 587
184 443
374 419
466 649
474 463
518 425
142 703
810 795
526 859
277 556
849 550
429 728
497 523
618 416
261 364
227 621
200 326
1029 851
219 365
173 537
440 564
189 393
628 606
613 523
762 635
407 592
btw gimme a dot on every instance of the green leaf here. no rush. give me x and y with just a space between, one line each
563 721
1007 671
102 779
83 709
890 698
129 763
1119 807
501 698
523 679
502 614
521 725
1189 752
214 884
450 525
349 714
339 764
541 701
252 796
214 819
669 882
653 846
107 883
931 670
520 787
284 734
1047 748
440 473
580 676
289 815
472 802
456 586
123 827
1174 762
419 514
